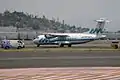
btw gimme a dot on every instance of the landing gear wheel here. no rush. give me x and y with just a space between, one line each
69 45
61 45
38 45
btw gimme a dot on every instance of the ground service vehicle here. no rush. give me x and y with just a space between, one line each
6 44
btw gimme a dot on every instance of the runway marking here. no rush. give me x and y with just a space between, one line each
72 73
64 57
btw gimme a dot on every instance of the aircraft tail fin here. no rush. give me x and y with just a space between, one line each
99 27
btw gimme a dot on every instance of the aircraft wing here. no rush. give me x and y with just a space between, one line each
56 35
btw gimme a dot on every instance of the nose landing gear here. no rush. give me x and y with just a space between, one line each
38 45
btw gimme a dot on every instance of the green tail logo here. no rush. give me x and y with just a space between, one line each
96 31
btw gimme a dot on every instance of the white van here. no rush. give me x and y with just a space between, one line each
17 44
6 44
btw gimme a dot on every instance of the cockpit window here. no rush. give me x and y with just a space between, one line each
37 37
49 36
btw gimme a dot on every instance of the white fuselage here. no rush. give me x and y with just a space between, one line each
61 38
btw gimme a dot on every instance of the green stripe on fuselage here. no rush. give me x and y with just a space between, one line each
62 40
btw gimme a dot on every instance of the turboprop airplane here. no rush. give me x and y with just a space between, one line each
69 39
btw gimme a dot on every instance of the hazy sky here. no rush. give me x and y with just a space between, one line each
74 12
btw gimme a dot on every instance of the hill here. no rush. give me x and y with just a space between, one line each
29 21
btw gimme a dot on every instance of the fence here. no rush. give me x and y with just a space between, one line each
31 35
19 35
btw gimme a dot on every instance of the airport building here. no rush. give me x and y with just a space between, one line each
13 33
31 35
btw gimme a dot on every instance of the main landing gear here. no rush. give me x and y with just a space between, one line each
69 45
38 45
62 45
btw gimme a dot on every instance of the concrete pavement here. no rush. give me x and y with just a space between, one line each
70 73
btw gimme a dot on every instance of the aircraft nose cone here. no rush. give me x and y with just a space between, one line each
35 41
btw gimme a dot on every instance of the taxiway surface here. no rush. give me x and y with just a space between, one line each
59 58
